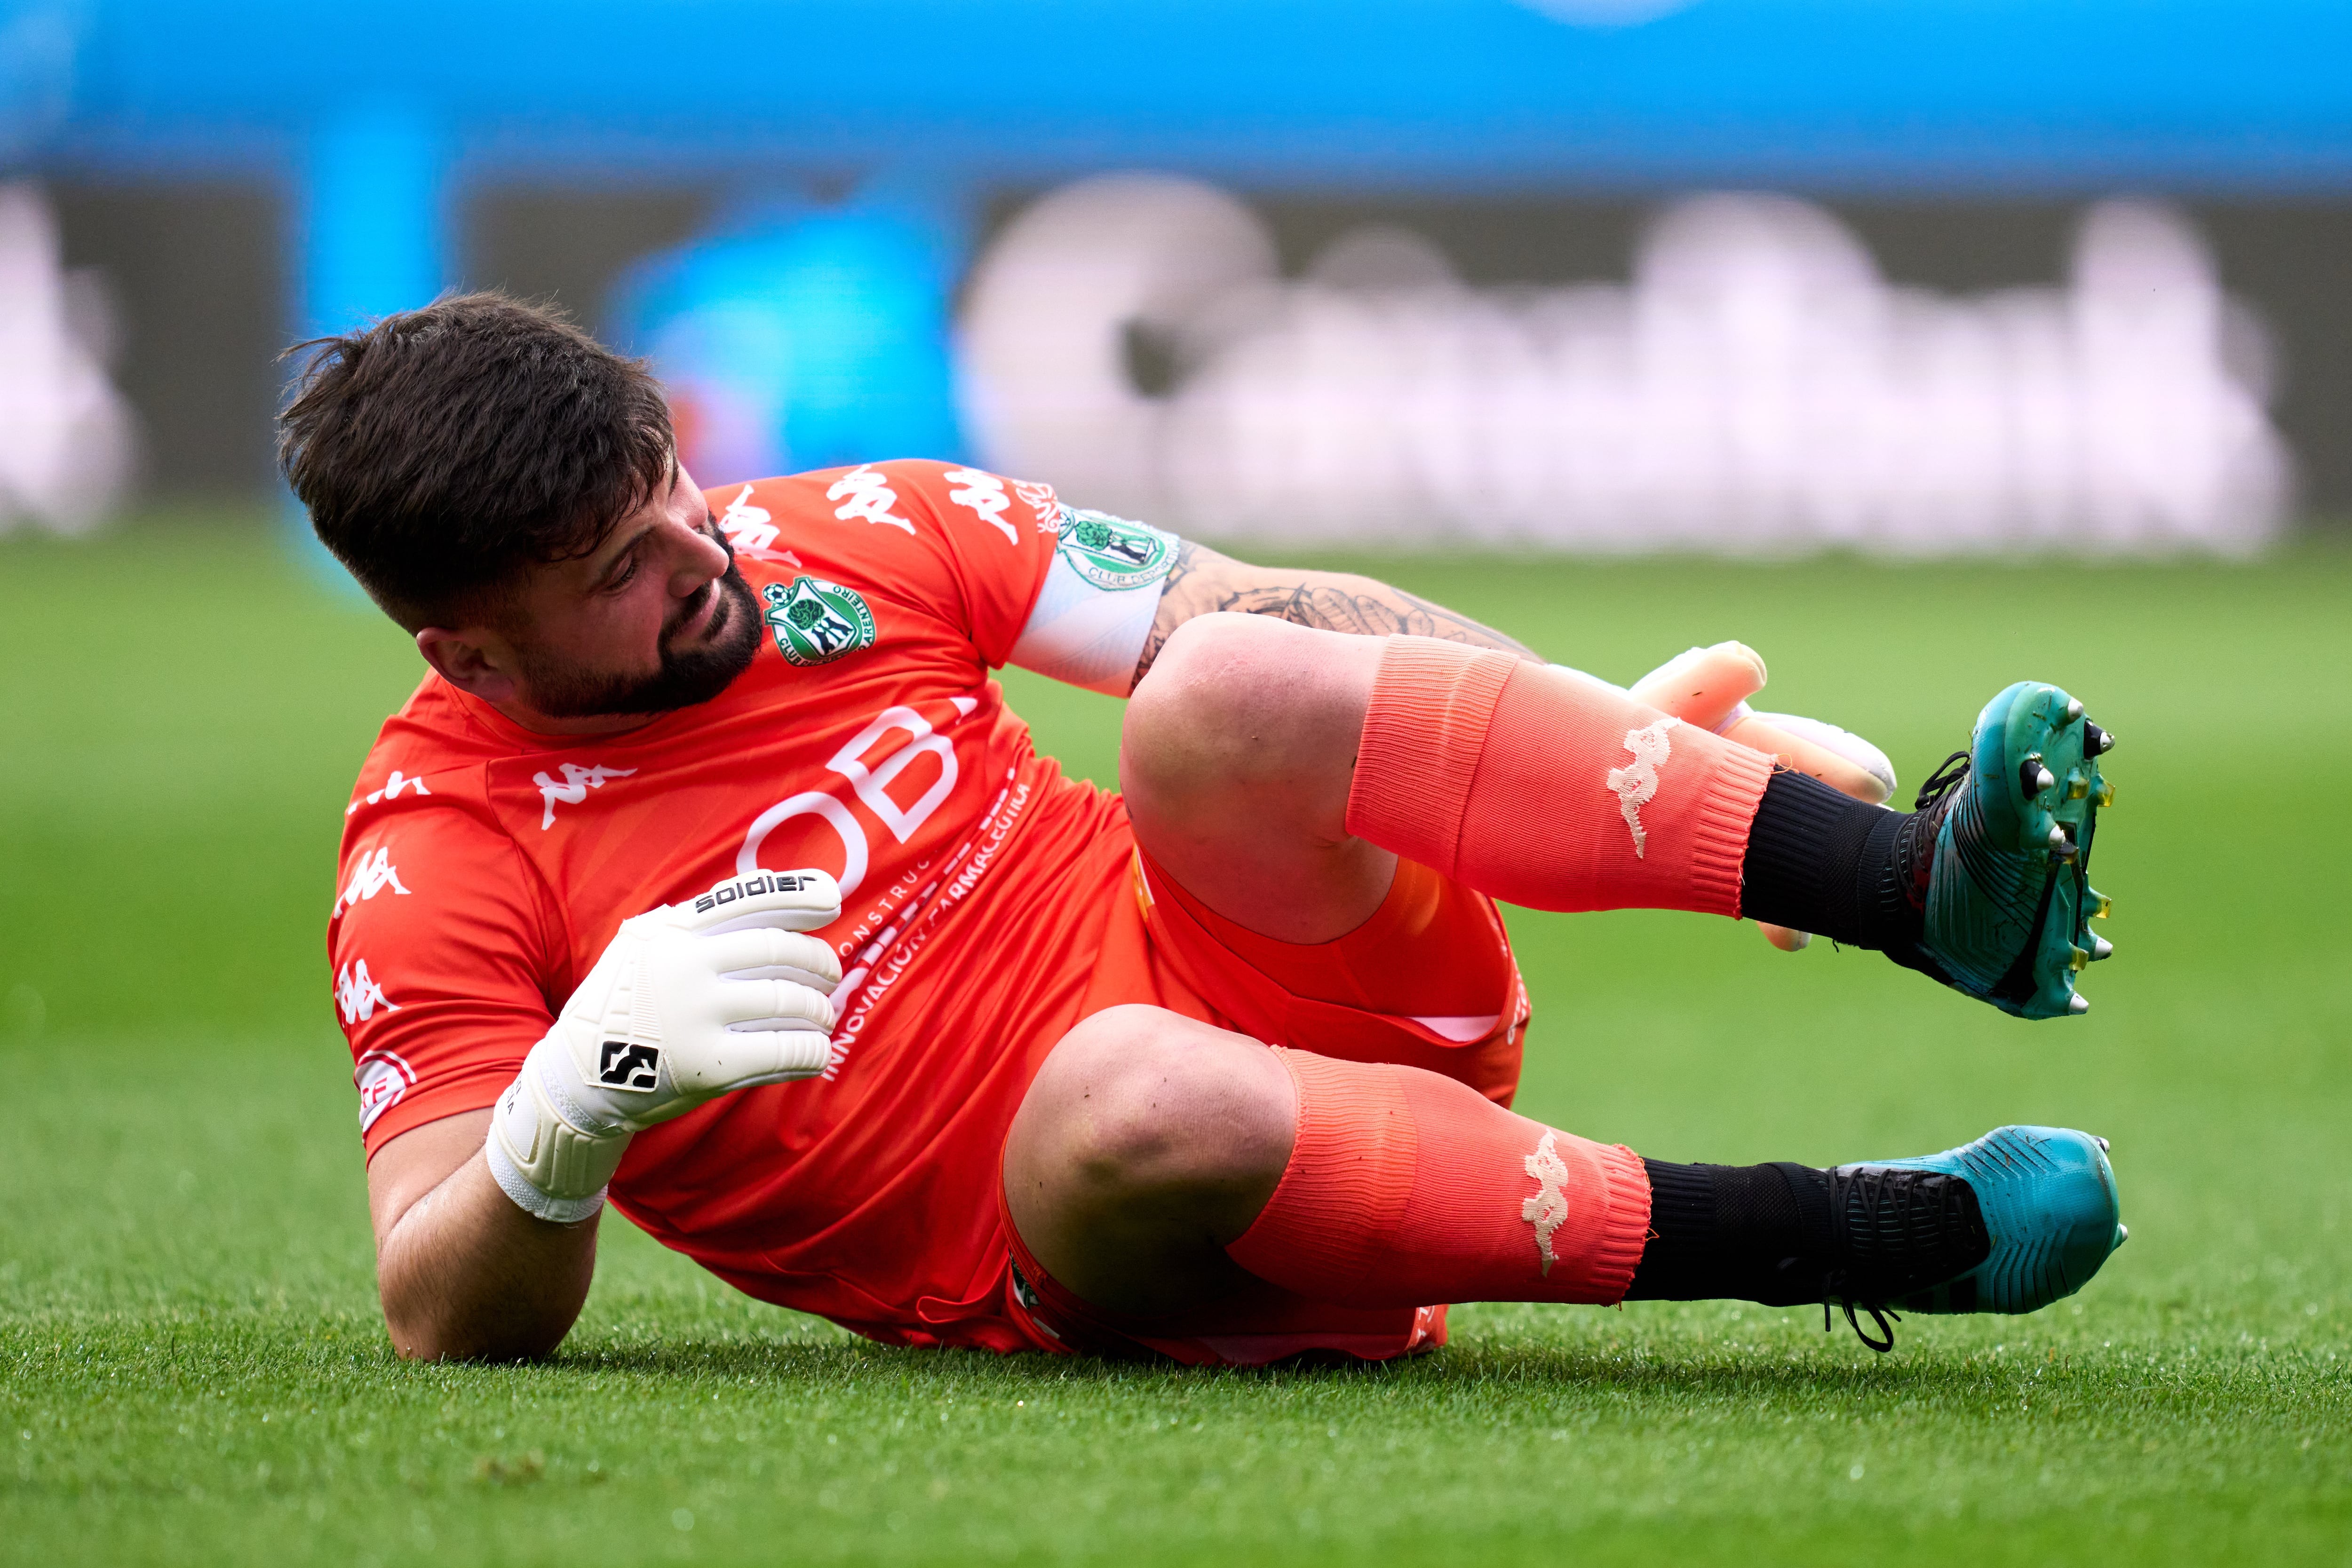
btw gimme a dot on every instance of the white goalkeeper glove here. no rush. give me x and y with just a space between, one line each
689 1001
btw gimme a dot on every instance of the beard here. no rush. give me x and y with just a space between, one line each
687 676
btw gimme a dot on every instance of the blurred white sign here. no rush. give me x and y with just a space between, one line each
64 433
1757 387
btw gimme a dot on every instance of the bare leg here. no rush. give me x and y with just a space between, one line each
1148 1142
1239 748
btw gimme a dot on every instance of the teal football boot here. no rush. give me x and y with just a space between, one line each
2007 900
2019 1218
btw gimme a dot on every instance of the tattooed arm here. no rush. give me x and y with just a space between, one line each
1202 582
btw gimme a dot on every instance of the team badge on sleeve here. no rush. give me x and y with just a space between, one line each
1113 553
816 621
1087 627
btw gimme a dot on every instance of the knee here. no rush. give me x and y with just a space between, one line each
1236 700
1212 652
1208 685
1137 1104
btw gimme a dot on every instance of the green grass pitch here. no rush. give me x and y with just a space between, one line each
192 1369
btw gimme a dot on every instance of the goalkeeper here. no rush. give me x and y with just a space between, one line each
707 876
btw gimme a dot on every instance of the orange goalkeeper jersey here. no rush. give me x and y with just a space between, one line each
485 867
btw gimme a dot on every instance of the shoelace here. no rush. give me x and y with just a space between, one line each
1902 1212
1885 1342
1915 846
1943 781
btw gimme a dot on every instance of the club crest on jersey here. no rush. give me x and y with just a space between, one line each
1113 553
816 621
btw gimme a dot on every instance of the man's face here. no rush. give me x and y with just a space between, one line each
656 619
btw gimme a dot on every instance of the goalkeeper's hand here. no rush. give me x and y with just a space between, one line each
690 1002
1710 687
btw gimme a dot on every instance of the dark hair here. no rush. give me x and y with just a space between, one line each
441 450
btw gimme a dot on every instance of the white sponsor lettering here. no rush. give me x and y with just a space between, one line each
867 494
574 788
984 494
995 830
871 785
1548 1209
874 787
358 995
392 786
865 984
910 922
371 875
383 1078
1637 785
877 918
873 984
810 803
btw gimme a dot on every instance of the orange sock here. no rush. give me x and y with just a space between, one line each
1406 1188
1543 787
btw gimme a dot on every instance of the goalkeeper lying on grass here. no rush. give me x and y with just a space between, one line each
708 871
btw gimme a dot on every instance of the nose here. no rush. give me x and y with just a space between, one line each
699 558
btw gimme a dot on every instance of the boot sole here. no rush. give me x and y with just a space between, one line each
2031 729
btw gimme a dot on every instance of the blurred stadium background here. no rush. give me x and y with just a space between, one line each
1466 292
1598 275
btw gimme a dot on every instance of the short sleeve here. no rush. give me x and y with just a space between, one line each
1101 595
442 949
1068 593
968 545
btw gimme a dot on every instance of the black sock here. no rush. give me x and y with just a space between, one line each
1822 861
1786 1234
1752 1233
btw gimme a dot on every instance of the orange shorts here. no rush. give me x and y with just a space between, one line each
1428 981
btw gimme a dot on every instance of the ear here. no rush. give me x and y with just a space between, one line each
468 662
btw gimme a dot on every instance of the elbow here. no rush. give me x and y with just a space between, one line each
424 1336
491 1315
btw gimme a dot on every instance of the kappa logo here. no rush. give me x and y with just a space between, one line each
1637 785
751 530
867 494
572 789
745 887
371 875
392 786
1112 553
357 994
626 1065
816 621
1548 1209
984 494
383 1080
